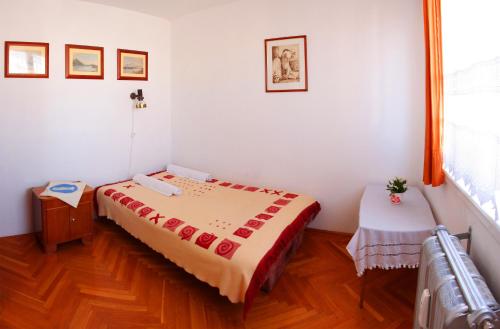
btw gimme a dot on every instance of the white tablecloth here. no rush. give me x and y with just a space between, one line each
390 236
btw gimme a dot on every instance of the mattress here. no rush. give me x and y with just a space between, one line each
227 235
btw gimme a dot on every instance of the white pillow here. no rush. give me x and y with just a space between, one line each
189 173
157 185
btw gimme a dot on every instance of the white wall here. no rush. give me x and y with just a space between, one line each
78 129
362 120
454 210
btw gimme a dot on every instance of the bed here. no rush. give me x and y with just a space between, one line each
234 237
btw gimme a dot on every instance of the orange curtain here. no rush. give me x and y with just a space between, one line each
433 159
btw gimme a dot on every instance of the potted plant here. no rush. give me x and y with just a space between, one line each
396 188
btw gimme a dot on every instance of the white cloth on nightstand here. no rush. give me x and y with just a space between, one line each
66 191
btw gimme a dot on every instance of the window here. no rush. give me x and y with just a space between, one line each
471 65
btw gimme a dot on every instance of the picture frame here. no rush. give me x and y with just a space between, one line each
84 62
26 59
286 64
132 65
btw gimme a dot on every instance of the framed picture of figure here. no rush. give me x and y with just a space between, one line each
132 65
84 62
26 59
286 64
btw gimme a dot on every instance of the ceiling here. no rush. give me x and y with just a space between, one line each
169 9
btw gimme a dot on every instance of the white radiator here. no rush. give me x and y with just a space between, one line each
451 294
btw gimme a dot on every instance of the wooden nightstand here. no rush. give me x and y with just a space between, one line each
57 222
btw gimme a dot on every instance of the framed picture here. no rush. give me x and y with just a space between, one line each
286 64
132 65
84 62
26 59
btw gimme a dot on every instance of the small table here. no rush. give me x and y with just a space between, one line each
390 236
56 222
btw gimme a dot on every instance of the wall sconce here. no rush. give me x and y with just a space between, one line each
140 99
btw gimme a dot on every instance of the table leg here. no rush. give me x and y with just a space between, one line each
363 287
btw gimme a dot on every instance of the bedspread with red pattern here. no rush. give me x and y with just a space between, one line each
226 234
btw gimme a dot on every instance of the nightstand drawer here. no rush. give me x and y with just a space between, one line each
56 224
80 220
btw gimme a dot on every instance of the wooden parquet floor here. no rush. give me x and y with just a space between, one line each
118 282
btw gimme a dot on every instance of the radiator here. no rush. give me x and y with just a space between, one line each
451 294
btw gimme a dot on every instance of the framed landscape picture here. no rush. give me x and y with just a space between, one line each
84 62
286 64
26 59
132 65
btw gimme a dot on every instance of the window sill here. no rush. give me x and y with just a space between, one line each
489 224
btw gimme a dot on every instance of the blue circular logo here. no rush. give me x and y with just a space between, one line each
64 188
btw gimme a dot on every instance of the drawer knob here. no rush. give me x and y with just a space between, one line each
73 219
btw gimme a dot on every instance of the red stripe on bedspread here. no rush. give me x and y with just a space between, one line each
265 264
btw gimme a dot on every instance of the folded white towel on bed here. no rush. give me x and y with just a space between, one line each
157 185
189 173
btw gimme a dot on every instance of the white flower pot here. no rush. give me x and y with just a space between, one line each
396 198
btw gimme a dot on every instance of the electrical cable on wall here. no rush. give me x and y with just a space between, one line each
132 137
138 104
